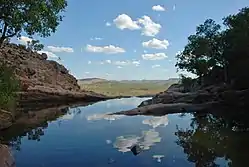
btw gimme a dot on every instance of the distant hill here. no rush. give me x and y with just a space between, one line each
98 80
91 80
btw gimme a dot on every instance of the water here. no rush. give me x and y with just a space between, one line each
87 137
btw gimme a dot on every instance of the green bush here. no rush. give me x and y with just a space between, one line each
187 83
9 85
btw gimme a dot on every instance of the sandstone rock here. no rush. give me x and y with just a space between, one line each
33 68
6 158
6 119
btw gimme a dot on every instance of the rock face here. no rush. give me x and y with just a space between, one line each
6 119
6 158
34 69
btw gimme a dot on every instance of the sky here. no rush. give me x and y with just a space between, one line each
129 39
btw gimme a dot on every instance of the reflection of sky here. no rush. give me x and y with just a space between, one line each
145 141
80 142
95 117
157 121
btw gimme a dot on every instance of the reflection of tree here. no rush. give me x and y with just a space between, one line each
215 136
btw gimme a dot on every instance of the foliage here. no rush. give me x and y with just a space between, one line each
35 45
212 48
187 82
33 17
9 85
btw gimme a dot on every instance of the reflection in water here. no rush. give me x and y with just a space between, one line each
158 157
145 141
157 121
212 137
95 117
108 141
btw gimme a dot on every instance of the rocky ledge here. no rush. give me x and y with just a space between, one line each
174 100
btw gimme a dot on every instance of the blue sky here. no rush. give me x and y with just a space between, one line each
140 42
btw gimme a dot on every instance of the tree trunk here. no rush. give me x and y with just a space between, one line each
1 41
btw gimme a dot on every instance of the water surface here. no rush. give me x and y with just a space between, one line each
85 136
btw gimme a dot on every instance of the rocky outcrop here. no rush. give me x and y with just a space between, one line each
6 158
203 100
33 69
44 83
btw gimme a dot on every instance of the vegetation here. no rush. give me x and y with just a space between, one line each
219 55
115 88
9 85
35 45
32 17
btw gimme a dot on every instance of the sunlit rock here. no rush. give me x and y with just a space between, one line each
158 157
157 121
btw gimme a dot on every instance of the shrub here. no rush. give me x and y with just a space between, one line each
9 85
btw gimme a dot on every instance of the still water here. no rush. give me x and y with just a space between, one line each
86 137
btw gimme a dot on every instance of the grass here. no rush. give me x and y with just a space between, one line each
115 88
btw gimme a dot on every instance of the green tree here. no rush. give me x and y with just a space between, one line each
32 17
202 52
35 45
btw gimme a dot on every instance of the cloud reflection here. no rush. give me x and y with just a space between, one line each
145 141
95 117
156 121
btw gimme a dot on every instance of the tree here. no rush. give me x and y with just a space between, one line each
35 45
202 52
33 17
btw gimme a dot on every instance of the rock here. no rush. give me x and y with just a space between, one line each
163 109
6 158
33 68
6 119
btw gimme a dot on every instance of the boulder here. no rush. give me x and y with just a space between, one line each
6 119
6 158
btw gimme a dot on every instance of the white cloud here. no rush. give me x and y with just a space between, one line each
156 44
158 8
124 21
108 24
49 54
24 39
108 61
96 39
104 49
60 49
135 51
89 62
136 62
119 67
96 117
87 72
155 56
156 66
122 63
108 74
145 51
178 52
149 28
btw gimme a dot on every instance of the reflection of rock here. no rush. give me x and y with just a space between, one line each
157 121
158 157
136 149
124 143
103 116
6 158
148 139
